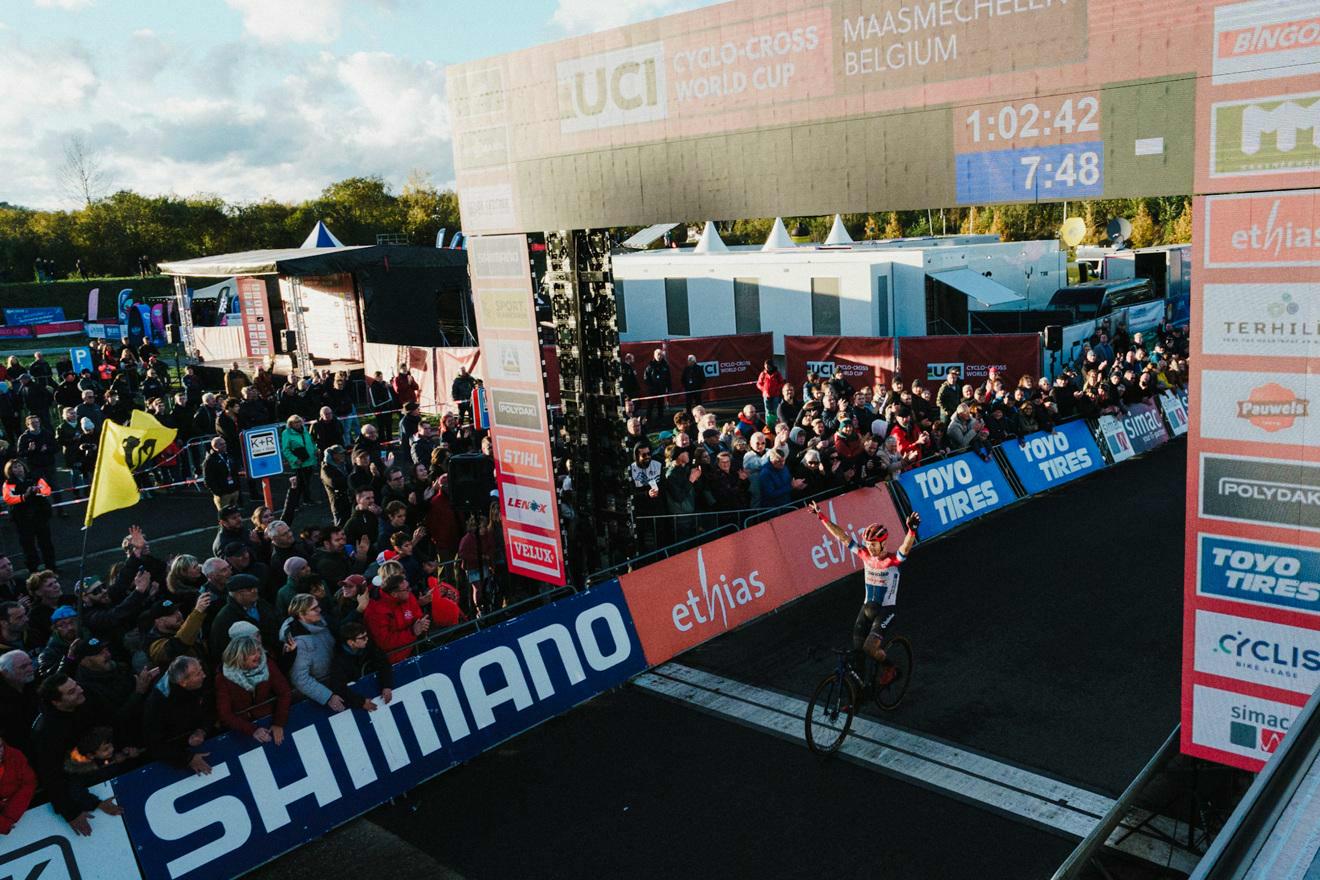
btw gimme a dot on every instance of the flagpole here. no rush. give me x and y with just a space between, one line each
82 561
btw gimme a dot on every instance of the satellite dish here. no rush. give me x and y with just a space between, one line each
1119 231
1073 231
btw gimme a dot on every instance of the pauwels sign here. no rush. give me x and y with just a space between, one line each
449 705
502 288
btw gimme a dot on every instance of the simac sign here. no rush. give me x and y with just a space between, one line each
449 705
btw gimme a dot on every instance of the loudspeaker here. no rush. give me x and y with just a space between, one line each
1054 337
289 339
471 477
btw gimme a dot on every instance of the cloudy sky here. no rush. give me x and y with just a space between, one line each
249 99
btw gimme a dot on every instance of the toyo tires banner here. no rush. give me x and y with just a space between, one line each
1048 459
954 491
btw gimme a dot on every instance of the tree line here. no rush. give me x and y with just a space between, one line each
109 236
1161 220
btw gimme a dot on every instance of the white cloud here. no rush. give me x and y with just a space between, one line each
587 16
165 119
63 4
291 21
41 85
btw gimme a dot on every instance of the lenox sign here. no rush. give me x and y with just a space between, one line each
622 87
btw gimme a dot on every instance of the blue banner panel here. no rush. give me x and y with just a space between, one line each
1059 171
449 705
1269 575
1045 460
955 490
38 315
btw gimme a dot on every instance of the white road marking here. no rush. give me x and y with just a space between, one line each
968 775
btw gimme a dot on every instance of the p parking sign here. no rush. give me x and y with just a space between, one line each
261 450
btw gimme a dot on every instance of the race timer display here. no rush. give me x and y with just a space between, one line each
1029 150
1065 171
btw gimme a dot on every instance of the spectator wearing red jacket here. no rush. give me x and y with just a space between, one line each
395 620
911 440
771 385
17 785
248 681
405 387
445 611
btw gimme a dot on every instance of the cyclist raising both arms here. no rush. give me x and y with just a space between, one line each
881 577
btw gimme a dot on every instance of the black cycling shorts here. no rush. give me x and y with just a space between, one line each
873 618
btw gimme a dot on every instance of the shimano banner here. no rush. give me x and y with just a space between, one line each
449 705
1047 459
954 491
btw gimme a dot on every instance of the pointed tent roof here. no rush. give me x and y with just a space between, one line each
838 234
778 237
710 242
321 237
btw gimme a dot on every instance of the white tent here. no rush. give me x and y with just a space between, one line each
838 234
778 237
321 237
710 242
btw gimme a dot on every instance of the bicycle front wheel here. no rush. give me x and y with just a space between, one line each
898 654
830 714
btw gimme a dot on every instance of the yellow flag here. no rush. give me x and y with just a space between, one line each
124 449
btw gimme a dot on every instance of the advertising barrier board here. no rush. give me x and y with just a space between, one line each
1175 412
813 557
37 315
1047 459
449 705
929 357
680 602
42 846
954 491
1233 725
1139 430
862 360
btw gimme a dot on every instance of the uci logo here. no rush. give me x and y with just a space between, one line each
824 369
940 372
711 369
613 88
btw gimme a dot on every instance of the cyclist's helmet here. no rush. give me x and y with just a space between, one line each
874 532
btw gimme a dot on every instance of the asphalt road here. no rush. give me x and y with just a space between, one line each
1046 637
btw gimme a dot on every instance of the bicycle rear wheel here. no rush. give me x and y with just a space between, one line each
830 714
898 653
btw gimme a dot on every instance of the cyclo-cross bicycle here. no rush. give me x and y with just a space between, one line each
835 700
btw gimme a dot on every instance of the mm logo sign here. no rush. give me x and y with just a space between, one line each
1275 135
622 87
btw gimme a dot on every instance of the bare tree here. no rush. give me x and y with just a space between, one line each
82 175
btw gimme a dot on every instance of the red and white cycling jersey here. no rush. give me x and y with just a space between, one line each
880 574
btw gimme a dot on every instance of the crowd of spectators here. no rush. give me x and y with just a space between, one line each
812 435
155 655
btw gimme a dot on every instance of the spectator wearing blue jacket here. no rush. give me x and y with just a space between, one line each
777 483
